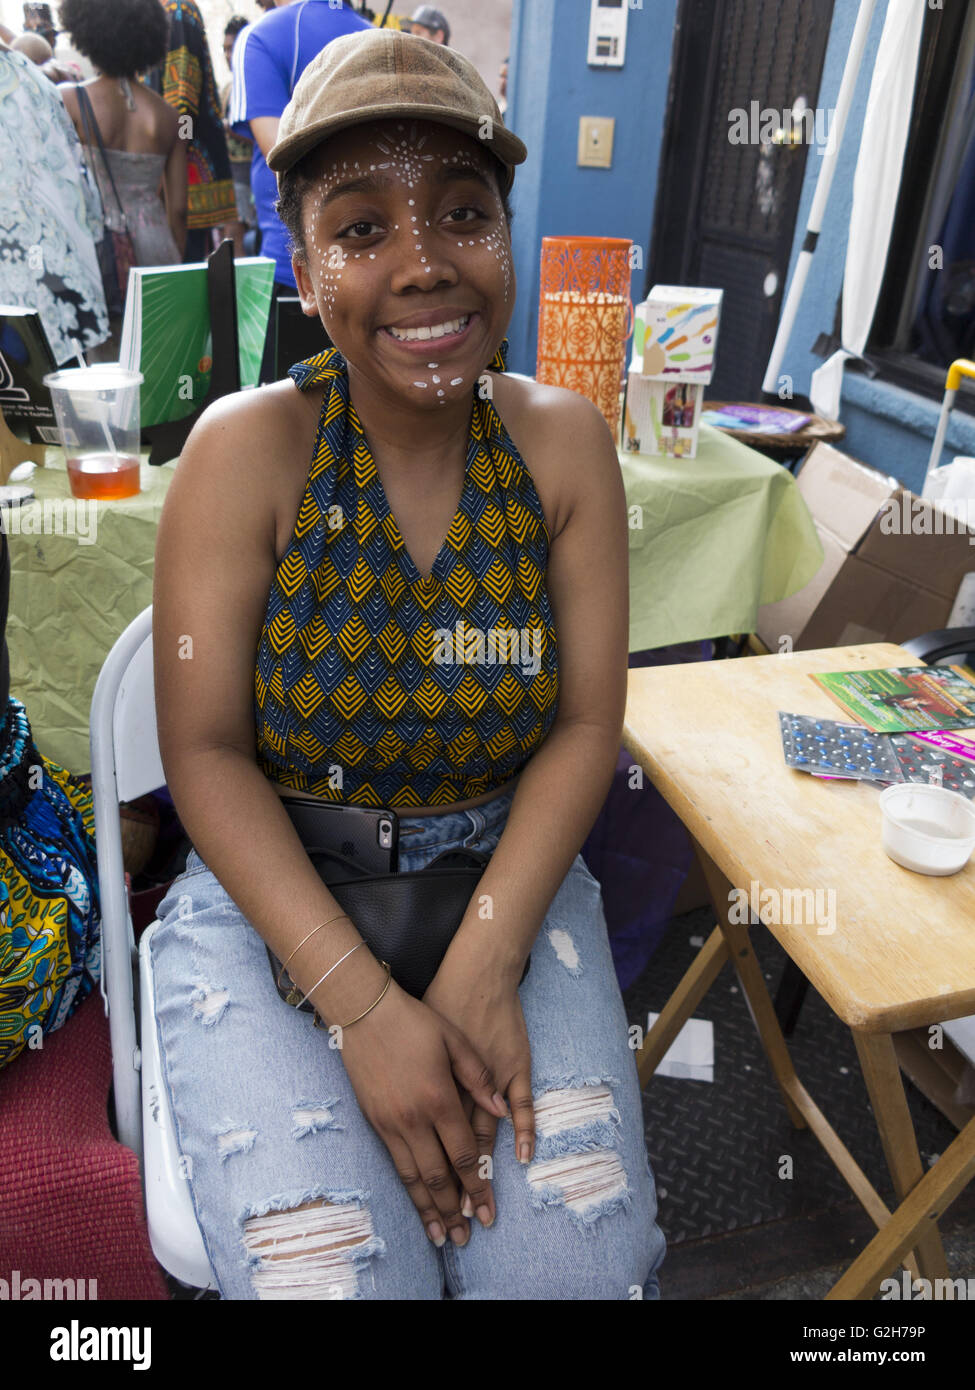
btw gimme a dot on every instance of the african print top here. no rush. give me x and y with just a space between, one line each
185 78
378 686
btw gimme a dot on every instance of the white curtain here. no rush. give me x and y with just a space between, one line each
876 183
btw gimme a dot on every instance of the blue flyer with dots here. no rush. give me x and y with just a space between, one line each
837 750
830 749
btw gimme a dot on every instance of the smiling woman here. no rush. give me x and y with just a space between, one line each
342 204
319 538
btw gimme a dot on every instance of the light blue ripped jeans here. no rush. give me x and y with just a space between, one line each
267 1119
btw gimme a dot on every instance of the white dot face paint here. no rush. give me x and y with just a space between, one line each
401 153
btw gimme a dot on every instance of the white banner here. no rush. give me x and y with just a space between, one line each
876 184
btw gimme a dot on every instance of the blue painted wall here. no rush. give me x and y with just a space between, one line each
550 86
887 427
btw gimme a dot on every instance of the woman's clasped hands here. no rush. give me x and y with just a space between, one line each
431 1077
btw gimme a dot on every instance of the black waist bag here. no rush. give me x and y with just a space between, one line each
408 920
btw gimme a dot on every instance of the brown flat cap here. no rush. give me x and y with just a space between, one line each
376 74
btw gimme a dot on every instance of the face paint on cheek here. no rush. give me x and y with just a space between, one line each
401 156
331 258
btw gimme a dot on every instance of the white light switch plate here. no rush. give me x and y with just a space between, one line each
596 142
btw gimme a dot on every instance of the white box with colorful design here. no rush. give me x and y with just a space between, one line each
675 332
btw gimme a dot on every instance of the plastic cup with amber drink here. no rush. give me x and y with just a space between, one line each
97 411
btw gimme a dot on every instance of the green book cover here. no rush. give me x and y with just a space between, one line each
903 699
166 332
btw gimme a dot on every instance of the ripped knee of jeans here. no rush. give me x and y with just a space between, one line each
577 1165
313 1246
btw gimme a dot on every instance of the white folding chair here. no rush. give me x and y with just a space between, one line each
125 764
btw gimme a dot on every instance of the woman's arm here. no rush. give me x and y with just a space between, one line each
265 132
564 784
69 95
175 189
215 561
94 212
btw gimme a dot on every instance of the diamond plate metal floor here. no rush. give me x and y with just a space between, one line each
716 1147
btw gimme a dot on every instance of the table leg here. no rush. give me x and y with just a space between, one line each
693 987
792 990
882 1073
753 984
928 1200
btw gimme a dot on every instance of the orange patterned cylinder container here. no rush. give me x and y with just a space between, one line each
585 317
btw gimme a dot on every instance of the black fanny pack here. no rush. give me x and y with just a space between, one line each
406 919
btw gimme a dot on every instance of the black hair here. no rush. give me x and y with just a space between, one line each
296 181
121 37
234 25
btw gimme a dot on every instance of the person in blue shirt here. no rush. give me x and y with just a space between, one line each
269 57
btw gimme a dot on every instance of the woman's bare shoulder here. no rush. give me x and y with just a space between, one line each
253 420
68 92
167 116
562 437
252 447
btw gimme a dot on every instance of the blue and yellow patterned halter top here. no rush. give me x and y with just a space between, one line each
377 686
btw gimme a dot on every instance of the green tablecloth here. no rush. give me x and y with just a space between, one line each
70 601
721 534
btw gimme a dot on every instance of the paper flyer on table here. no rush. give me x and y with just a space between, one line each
904 699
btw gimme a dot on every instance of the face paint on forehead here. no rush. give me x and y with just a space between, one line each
406 160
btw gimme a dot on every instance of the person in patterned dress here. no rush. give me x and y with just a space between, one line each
397 581
50 925
185 78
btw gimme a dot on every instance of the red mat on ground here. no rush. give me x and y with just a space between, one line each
70 1195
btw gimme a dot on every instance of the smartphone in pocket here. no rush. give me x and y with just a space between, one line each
365 838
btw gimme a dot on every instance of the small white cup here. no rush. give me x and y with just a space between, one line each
927 829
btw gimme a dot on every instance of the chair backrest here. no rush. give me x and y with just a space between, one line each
942 642
125 764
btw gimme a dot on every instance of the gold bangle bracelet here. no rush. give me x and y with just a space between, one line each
308 938
328 972
389 976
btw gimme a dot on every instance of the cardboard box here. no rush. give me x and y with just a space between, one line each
893 562
675 333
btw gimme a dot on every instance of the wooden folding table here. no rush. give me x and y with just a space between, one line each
901 952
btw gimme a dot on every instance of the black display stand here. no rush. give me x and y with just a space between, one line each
296 335
166 440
